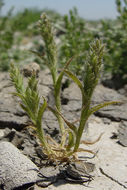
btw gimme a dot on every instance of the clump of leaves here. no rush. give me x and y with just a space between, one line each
115 38
122 10
75 42
31 102
6 38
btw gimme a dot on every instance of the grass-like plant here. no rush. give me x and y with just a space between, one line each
32 103
114 34
6 38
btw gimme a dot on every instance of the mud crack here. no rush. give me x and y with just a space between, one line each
110 177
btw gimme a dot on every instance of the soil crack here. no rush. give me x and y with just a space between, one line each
110 177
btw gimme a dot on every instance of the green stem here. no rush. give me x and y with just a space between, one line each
58 104
60 120
41 136
53 71
83 120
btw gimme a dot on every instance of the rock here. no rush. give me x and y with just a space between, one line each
106 120
122 133
72 92
2 133
73 105
16 169
113 112
30 68
25 141
101 94
43 90
12 121
45 78
11 114
123 90
50 171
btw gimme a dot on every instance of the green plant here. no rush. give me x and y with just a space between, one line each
114 34
25 21
33 106
6 38
122 10
75 41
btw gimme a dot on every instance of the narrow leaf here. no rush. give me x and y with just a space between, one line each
77 81
53 111
52 140
58 82
69 124
71 140
19 95
39 55
41 111
99 106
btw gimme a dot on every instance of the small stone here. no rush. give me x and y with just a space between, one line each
30 68
16 169
122 133
106 120
2 133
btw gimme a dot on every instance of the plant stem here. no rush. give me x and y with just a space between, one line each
60 120
51 50
41 136
54 75
83 120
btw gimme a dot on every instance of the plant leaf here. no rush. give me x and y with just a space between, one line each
53 111
70 125
25 106
58 82
41 111
16 78
71 140
19 95
39 55
99 106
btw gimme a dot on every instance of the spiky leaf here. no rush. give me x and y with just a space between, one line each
16 78
41 111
